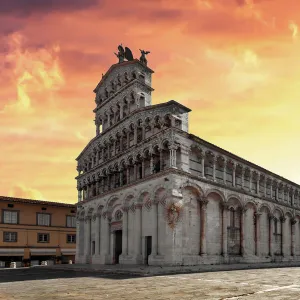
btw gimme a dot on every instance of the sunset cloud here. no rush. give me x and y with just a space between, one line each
21 191
234 63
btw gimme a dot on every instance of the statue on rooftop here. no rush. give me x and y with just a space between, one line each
143 59
121 53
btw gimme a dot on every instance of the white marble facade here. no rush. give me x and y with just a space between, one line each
151 193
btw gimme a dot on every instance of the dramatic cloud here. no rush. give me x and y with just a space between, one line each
25 8
234 63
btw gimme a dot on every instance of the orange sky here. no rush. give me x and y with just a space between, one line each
235 63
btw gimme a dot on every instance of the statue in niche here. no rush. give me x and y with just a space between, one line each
121 53
143 59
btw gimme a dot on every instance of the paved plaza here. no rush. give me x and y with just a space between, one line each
37 284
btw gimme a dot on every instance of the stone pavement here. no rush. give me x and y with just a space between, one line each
54 284
143 270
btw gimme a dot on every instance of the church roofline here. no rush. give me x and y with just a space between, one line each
125 63
150 107
238 159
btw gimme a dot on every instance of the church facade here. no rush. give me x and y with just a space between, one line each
149 192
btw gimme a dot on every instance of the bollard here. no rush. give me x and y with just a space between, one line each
13 265
70 262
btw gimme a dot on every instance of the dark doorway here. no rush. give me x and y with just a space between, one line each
118 245
148 248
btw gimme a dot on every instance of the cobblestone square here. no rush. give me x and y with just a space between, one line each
36 284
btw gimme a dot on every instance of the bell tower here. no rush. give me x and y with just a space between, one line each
124 88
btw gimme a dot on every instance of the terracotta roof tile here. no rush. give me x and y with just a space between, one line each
36 202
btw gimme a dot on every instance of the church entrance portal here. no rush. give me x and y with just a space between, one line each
148 248
118 245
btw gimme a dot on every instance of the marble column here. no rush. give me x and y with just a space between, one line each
224 171
271 189
135 135
106 239
97 234
121 144
121 177
283 236
127 175
204 203
265 192
271 230
243 211
97 187
224 229
243 177
78 234
257 234
125 231
250 181
138 230
79 195
293 229
134 171
161 159
151 163
87 237
128 140
257 183
233 174
214 168
155 229
203 165
143 168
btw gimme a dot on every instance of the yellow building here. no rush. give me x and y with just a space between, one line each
32 231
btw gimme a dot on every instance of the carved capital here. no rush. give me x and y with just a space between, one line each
271 217
203 203
243 210
282 219
293 221
224 206
257 215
